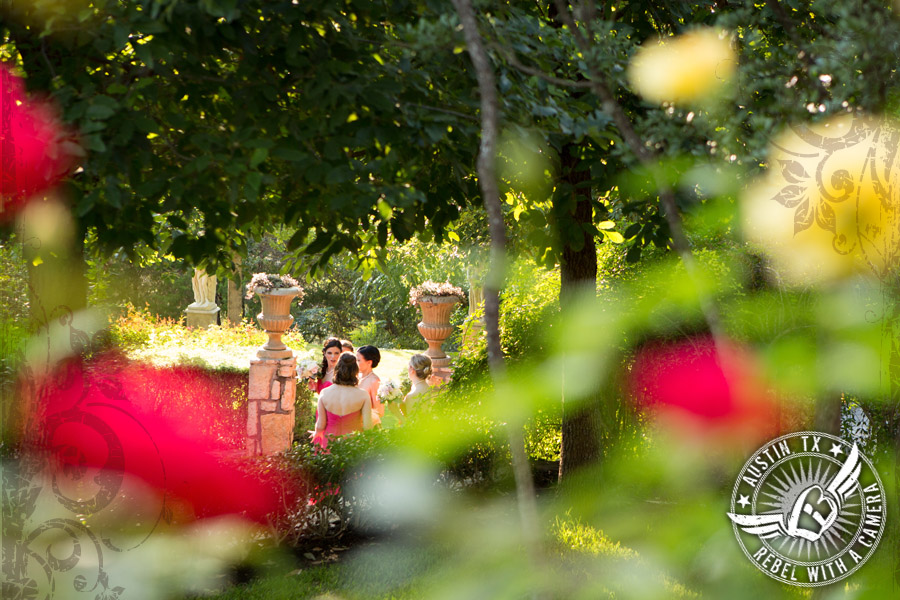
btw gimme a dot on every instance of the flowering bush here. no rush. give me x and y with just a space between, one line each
430 288
269 282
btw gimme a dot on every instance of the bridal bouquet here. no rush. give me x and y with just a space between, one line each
389 391
307 368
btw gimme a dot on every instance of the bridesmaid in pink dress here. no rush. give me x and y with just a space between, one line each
343 408
330 353
368 357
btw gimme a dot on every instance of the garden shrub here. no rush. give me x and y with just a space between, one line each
322 505
304 412
529 304
314 323
372 332
325 506
159 282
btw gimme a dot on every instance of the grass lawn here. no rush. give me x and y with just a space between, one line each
394 363
233 348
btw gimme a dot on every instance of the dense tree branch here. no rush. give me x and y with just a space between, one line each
511 58
647 157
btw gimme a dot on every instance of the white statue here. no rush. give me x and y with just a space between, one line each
204 290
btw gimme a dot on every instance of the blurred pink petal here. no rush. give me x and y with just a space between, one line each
705 389
36 149
110 419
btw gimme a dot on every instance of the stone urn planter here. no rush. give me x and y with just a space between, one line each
275 294
275 319
435 328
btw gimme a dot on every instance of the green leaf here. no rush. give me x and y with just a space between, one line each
144 53
287 153
259 155
94 143
633 230
254 180
634 254
338 174
101 108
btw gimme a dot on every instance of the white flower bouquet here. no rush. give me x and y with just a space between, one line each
390 391
307 368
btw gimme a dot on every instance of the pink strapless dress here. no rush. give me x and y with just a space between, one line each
339 425
321 384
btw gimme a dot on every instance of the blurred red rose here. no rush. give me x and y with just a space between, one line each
109 419
705 389
36 150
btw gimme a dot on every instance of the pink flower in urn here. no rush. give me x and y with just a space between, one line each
431 288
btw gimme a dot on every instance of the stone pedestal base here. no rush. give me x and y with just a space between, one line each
442 374
441 368
270 405
201 317
473 335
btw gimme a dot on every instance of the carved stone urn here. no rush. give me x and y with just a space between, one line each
275 319
435 328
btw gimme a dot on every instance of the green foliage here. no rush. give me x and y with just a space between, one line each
194 101
324 508
373 333
543 437
304 412
529 306
160 283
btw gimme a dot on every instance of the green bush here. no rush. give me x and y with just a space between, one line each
372 332
529 304
314 323
322 506
304 412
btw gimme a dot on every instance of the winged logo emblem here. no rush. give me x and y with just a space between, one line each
813 511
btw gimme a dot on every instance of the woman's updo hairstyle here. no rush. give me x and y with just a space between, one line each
421 364
331 342
346 370
370 353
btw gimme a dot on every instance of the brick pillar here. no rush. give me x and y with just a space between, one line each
270 406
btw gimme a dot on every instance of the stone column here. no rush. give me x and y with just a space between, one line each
270 405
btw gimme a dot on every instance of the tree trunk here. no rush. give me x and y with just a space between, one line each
581 422
487 179
234 310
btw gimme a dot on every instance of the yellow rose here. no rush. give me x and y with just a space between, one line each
826 208
688 68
